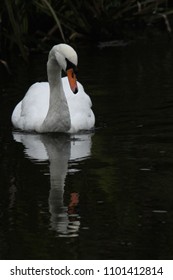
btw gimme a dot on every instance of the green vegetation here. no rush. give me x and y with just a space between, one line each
29 25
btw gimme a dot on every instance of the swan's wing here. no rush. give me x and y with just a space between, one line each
82 117
32 110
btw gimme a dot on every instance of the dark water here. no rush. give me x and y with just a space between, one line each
101 195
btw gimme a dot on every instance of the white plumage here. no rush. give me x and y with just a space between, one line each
52 106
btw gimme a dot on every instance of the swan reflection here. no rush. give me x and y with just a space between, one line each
63 153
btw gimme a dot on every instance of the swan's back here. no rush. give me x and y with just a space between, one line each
30 113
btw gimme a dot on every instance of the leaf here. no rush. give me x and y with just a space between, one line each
16 28
55 18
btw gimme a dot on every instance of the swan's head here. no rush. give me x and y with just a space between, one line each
67 59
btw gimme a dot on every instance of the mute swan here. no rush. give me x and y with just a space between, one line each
51 106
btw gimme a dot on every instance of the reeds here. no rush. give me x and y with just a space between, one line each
98 20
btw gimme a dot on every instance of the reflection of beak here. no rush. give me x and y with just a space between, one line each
72 80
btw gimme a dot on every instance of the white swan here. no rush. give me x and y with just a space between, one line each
51 106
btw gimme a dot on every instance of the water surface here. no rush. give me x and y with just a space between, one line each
101 195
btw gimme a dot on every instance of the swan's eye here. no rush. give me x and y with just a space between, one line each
70 65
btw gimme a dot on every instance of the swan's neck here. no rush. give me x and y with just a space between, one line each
58 116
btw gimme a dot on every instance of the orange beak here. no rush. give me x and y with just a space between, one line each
72 80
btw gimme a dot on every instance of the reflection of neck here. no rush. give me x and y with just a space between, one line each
58 116
59 152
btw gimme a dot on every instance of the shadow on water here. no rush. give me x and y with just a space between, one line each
106 195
